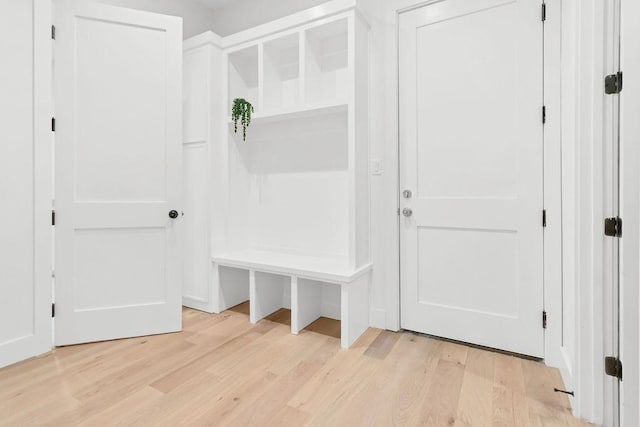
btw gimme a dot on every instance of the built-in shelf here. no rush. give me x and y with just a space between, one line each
303 185
295 113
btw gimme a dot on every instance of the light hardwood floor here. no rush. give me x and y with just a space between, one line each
224 371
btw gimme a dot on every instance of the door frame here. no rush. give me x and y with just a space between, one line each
575 35
630 182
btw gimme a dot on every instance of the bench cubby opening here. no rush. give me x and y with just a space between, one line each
312 300
233 287
269 293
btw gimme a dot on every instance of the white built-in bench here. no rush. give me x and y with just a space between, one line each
311 284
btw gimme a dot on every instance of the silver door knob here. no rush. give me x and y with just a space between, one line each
407 212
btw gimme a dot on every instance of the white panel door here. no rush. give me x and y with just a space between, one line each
25 180
118 88
471 138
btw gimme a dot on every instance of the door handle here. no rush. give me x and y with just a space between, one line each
407 212
173 214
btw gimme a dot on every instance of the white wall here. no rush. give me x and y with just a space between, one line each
197 17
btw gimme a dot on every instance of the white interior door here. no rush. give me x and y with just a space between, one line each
471 142
118 78
25 180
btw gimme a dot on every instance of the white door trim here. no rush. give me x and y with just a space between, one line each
630 273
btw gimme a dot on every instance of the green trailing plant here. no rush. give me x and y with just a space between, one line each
241 111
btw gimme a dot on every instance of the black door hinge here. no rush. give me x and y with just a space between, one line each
53 32
53 124
613 367
613 83
53 217
544 12
613 227
53 310
544 320
544 114
544 217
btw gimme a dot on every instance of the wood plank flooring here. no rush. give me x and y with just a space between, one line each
224 371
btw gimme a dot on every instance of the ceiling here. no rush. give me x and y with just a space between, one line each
215 4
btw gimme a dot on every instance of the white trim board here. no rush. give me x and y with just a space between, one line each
630 274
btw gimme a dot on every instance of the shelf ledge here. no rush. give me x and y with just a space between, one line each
295 113
324 269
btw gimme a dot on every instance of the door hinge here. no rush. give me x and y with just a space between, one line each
544 320
544 114
53 217
53 32
544 217
613 83
53 310
544 12
613 227
613 367
53 124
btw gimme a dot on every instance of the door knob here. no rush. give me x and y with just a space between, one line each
407 212
173 214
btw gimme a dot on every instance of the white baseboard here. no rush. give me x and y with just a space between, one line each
197 304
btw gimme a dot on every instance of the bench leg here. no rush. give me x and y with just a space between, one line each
355 310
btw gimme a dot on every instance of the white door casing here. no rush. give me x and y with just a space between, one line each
25 181
118 83
471 153
630 207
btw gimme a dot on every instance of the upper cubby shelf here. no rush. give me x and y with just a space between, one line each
243 75
327 62
303 70
282 73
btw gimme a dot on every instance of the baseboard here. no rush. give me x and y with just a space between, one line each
196 304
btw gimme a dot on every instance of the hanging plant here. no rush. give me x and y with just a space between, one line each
241 111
